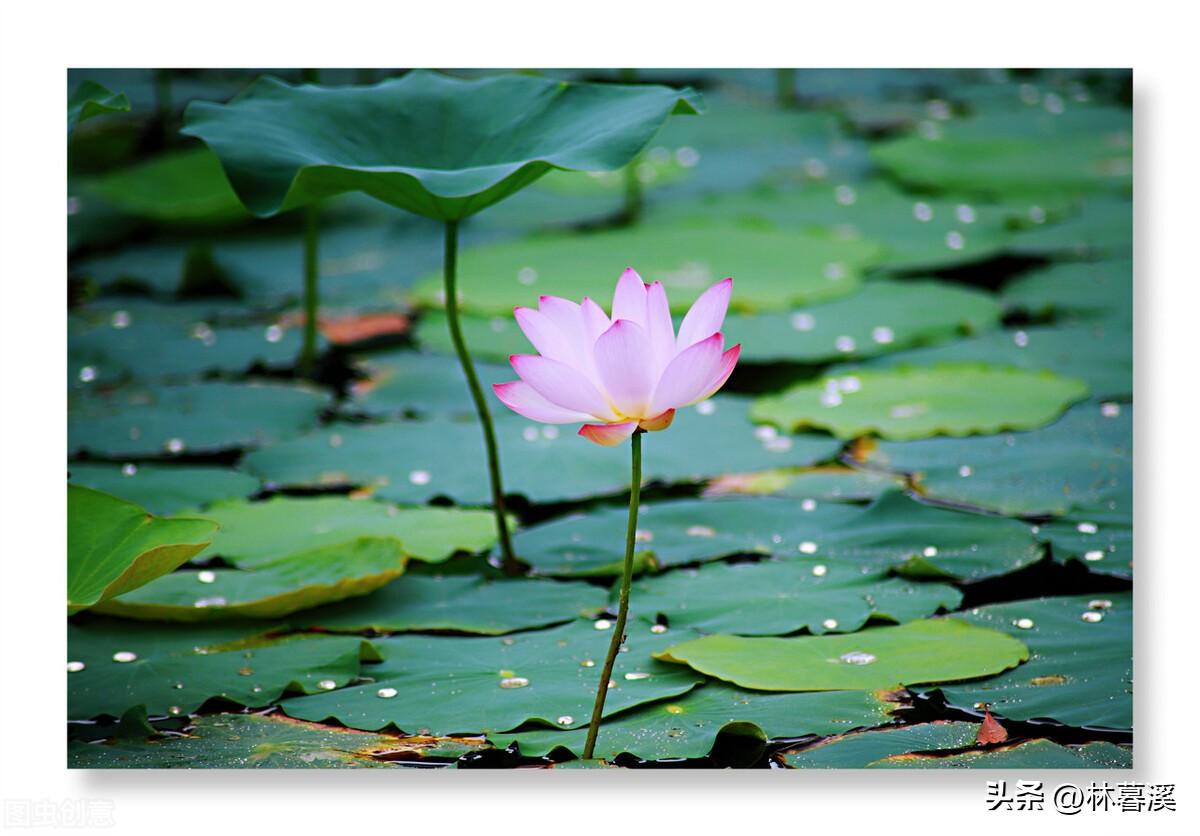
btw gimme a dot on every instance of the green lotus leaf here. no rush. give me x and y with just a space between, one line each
1081 464
272 589
427 143
673 533
91 99
1099 354
114 546
175 668
194 418
932 650
916 402
256 534
1080 668
776 597
179 186
884 316
1102 539
688 726
449 685
241 741
416 461
165 489
827 483
463 603
1087 290
1102 228
772 269
863 749
428 385
1030 754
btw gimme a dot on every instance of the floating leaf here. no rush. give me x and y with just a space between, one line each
915 232
195 418
687 727
165 489
114 546
254 534
241 741
883 316
284 146
91 99
1010 152
1103 227
863 749
924 541
907 403
436 685
179 186
1082 462
429 385
146 350
1099 354
1080 668
828 484
775 597
174 669
417 461
1032 754
673 533
772 269
273 589
463 603
1075 290
933 650
1102 539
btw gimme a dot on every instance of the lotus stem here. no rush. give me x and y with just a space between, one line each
308 353
785 86
633 183
511 565
614 646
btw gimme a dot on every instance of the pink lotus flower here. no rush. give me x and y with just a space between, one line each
620 374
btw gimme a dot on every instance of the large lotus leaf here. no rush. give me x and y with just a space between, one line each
1083 461
674 533
863 749
1103 227
1032 754
441 685
924 541
428 143
428 385
114 546
776 597
884 316
164 489
687 727
1103 540
254 534
932 650
174 669
1017 153
828 484
416 461
272 589
772 269
194 418
1075 290
463 603
91 99
239 741
916 233
145 350
1080 668
917 402
1098 353
182 186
